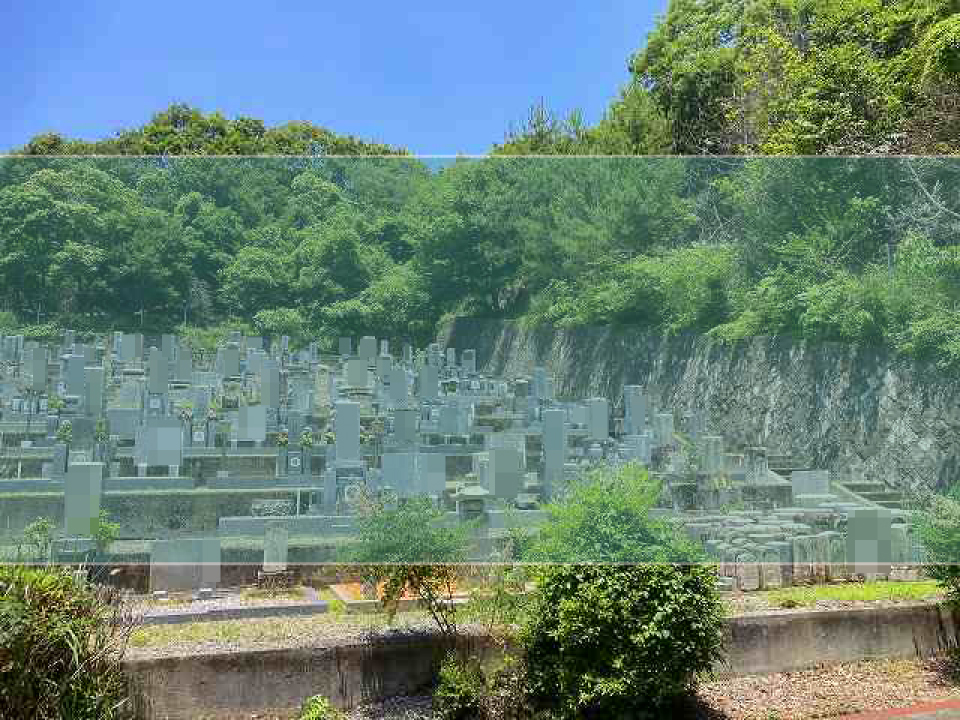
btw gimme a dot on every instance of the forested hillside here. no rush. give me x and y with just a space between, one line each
789 77
852 249
859 250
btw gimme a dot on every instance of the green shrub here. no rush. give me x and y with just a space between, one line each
38 536
937 526
319 708
618 641
409 549
61 646
604 516
474 689
460 690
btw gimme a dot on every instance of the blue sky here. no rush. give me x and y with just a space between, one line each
429 76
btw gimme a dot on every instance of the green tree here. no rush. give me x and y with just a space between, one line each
410 549
604 517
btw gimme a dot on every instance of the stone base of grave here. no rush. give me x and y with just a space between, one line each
275 579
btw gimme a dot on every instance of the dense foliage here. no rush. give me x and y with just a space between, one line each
856 250
318 707
937 526
61 645
183 130
406 548
620 641
605 517
781 77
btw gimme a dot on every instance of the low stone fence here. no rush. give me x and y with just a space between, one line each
237 684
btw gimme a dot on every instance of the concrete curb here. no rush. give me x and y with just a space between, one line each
244 613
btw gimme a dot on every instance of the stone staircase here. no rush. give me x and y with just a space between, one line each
783 465
877 492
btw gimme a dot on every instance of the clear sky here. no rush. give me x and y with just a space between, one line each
435 77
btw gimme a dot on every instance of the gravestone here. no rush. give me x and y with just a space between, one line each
398 385
160 442
231 360
184 564
347 430
81 495
73 374
383 366
433 474
713 454
598 419
468 361
428 386
94 381
771 568
38 369
168 346
345 347
270 384
554 449
58 467
400 472
870 541
405 426
367 350
634 409
184 365
358 376
506 472
663 429
275 547
252 426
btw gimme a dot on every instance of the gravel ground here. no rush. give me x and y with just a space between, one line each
821 693
405 708
758 604
856 687
806 695
316 632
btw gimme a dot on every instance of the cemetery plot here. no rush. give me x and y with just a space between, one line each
186 454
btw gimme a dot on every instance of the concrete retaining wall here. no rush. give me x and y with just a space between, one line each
268 682
227 685
797 640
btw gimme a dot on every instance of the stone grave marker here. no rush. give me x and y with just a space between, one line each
81 494
184 564
275 548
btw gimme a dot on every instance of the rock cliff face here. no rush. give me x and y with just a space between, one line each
860 412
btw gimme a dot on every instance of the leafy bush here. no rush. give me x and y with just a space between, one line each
842 309
319 708
61 646
469 689
460 690
38 536
605 517
936 336
281 321
938 528
410 549
617 641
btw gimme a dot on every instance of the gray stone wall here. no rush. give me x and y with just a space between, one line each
858 411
